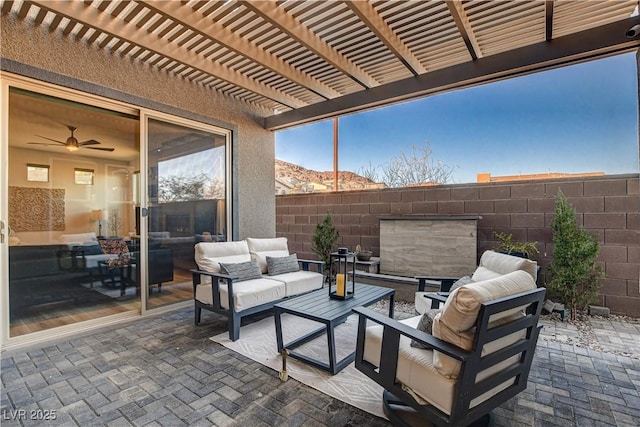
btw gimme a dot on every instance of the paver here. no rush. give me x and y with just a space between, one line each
164 371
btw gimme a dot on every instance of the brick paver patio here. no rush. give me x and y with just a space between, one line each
163 371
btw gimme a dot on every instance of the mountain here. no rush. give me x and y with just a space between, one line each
292 178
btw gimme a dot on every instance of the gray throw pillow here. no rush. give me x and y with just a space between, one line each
460 282
242 270
425 325
281 265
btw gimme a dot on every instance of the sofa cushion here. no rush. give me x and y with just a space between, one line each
283 264
78 238
241 270
299 282
249 294
260 249
208 255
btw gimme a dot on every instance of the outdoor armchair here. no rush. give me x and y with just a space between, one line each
478 356
492 264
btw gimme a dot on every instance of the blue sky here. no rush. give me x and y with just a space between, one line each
582 118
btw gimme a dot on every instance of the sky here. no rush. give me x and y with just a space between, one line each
582 118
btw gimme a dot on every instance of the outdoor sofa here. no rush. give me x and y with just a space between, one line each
240 278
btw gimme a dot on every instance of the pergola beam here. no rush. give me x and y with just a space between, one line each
92 17
586 45
288 24
461 19
379 27
548 19
199 23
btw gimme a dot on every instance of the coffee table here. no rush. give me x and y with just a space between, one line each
317 306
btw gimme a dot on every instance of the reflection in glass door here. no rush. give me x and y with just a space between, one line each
69 208
187 193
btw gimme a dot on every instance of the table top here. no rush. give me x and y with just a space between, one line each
318 306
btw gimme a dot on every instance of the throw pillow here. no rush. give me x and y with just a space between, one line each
281 265
425 325
461 282
241 271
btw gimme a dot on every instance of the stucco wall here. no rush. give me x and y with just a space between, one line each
34 52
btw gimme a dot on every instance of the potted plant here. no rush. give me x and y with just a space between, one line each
573 272
324 238
510 247
362 254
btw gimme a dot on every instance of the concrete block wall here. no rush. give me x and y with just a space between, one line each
607 206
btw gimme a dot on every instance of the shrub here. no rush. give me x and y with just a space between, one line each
574 275
324 238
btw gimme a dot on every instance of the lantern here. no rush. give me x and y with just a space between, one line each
343 273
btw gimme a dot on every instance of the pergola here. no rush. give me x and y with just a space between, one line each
309 60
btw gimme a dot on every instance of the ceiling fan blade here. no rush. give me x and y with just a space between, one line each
42 143
100 148
89 142
54 140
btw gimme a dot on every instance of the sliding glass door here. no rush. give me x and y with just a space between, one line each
70 209
187 189
101 206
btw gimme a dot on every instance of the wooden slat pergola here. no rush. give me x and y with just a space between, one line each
308 60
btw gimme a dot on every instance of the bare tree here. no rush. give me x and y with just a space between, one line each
415 168
180 188
369 171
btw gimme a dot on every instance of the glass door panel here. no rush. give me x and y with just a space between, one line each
70 208
187 187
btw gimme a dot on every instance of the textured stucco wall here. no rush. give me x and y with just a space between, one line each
34 52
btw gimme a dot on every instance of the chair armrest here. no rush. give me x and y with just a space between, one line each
444 282
215 288
306 264
393 327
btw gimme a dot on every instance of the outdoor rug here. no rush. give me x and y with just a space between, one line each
258 342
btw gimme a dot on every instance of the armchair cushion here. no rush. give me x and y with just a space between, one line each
241 270
455 324
499 264
281 265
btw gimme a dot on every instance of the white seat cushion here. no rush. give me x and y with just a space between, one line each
246 294
209 255
415 367
422 303
78 238
418 374
298 282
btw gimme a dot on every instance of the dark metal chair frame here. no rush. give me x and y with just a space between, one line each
472 362
235 317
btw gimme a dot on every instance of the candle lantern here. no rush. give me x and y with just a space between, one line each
343 273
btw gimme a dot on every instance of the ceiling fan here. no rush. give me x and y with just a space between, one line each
72 144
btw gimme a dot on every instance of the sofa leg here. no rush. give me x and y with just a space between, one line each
234 327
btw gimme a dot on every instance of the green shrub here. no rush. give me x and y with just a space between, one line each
573 274
324 238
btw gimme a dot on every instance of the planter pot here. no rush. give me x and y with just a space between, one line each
364 255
